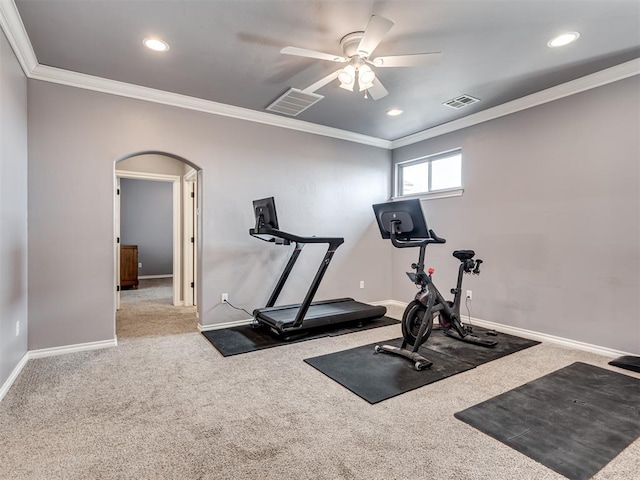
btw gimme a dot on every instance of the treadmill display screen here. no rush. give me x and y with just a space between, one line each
265 212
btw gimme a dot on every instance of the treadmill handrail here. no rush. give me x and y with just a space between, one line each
334 242
262 230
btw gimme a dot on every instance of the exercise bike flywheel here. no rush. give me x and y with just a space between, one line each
412 319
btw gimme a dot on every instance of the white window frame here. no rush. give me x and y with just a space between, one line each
443 193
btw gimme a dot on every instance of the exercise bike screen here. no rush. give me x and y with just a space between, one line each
408 213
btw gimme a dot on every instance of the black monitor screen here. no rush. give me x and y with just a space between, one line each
408 213
266 208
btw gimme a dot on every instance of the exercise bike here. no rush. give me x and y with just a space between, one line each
404 224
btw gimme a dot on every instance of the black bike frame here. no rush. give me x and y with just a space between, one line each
428 290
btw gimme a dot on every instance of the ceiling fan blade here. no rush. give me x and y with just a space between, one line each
303 52
322 82
377 90
413 60
373 34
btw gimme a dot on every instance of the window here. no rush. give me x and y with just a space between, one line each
432 174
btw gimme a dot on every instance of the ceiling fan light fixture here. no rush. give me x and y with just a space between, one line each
366 75
155 44
563 39
347 76
364 86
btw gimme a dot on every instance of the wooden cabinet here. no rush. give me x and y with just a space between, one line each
129 266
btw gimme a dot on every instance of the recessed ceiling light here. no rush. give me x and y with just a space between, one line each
563 39
394 112
156 44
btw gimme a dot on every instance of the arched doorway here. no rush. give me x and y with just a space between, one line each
156 238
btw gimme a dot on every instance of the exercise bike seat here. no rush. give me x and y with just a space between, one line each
463 255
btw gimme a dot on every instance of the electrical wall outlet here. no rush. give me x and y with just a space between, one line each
469 294
224 298
361 283
17 328
139 264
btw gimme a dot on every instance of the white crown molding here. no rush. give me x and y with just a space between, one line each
598 79
97 84
13 28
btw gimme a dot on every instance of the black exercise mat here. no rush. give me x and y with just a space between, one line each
245 338
379 376
477 354
574 420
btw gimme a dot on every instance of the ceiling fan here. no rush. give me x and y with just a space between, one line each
357 48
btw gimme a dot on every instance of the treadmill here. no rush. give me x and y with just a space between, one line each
291 320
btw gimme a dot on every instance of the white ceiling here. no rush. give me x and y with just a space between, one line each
228 51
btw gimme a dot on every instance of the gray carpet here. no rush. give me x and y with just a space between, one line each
149 311
171 407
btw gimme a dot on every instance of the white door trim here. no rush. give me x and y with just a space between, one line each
116 241
177 241
188 183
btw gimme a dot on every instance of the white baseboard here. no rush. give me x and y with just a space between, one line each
80 347
530 334
543 337
220 326
14 374
389 303
236 323
148 277
50 352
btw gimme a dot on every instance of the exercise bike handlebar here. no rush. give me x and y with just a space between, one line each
433 238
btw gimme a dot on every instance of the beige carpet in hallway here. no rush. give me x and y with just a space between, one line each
148 311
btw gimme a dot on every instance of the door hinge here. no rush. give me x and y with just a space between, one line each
193 239
193 195
117 288
118 240
118 191
192 285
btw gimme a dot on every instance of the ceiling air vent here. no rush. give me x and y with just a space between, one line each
294 102
461 101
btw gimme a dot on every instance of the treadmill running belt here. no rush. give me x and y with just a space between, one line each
320 314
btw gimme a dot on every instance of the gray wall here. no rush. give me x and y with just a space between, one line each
150 163
13 211
146 220
322 186
551 204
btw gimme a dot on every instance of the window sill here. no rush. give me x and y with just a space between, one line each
454 192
